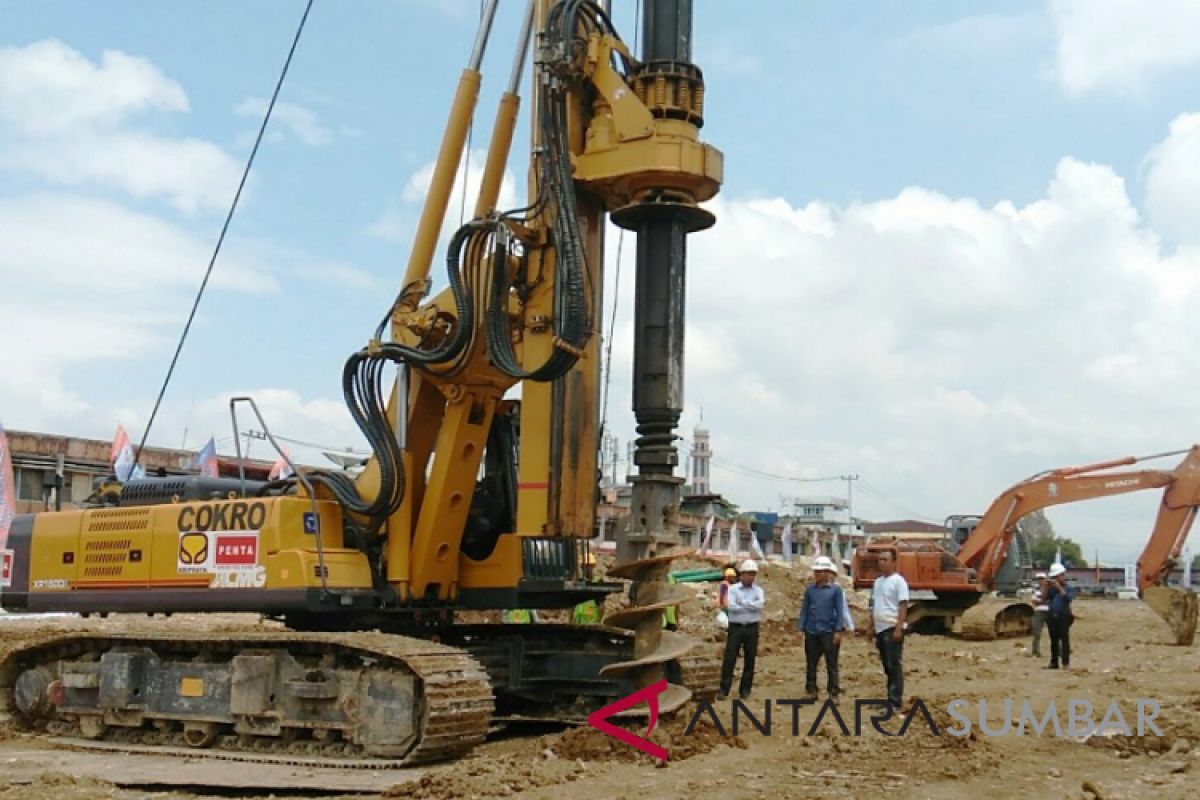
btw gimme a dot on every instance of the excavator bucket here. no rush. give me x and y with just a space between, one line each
1179 607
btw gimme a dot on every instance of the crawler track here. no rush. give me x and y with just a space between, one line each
996 619
452 706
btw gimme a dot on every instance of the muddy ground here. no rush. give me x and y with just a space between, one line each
1123 653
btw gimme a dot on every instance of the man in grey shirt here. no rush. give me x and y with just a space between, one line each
889 607
1040 609
744 606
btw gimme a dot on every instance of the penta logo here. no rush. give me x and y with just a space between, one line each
599 719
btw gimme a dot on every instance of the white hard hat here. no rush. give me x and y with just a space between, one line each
748 566
1040 575
823 564
1056 570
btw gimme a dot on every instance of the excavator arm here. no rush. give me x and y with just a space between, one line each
986 548
1179 607
988 545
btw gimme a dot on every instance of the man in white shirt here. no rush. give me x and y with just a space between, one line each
889 607
744 605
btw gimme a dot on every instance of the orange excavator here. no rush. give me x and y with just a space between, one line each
954 588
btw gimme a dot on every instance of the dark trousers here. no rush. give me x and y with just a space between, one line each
891 655
1039 621
816 646
742 638
1060 638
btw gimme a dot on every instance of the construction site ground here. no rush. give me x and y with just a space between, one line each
1123 652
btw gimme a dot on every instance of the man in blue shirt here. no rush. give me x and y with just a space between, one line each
1059 617
822 620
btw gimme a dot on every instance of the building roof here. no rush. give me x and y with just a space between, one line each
33 448
901 526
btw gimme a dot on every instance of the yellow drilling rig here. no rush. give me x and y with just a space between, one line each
471 500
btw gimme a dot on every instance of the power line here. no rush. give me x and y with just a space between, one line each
221 238
318 446
879 496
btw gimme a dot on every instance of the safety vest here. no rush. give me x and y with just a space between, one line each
669 615
586 613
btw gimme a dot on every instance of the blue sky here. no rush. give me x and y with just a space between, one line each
954 246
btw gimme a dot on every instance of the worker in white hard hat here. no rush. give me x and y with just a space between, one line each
744 605
1040 609
821 624
1059 617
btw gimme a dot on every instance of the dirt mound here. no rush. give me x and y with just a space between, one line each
491 777
58 785
590 744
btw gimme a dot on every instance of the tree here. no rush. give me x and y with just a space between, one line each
1043 543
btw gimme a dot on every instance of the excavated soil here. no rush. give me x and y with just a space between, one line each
1123 652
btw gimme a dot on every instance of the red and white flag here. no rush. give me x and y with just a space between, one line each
280 469
121 457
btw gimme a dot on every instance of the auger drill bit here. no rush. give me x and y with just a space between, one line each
649 541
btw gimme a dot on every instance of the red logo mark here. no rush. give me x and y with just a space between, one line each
599 719
6 567
236 550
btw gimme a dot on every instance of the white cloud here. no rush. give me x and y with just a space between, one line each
190 173
47 87
942 349
398 223
302 122
1117 44
1173 181
87 280
70 121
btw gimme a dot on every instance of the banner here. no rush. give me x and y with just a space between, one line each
733 540
786 541
708 531
755 547
8 489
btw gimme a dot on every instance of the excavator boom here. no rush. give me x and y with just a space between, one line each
974 568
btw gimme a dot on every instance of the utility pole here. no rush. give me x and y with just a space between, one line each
615 455
849 479
249 436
